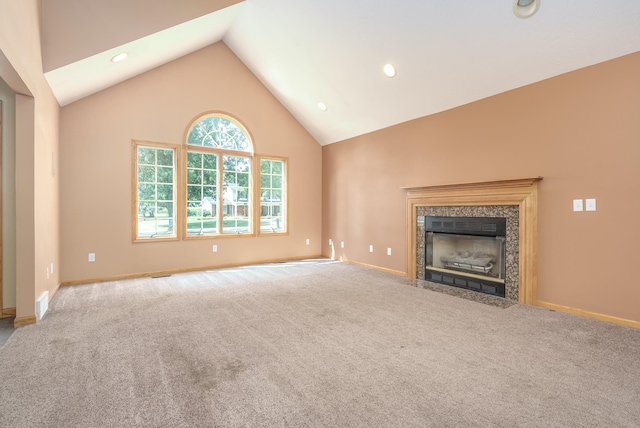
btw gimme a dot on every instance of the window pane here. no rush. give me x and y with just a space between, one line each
165 192
146 209
242 164
202 175
209 177
194 193
209 161
265 167
277 166
146 174
194 160
202 225
243 180
220 133
210 192
146 156
165 157
155 198
229 177
265 181
165 175
166 208
194 176
146 192
272 203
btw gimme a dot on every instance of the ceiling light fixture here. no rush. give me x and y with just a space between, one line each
120 57
525 8
389 70
322 106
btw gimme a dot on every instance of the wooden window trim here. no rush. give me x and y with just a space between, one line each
134 189
285 192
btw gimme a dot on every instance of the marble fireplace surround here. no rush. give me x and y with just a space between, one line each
517 200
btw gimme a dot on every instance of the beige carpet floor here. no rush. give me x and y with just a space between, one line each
311 344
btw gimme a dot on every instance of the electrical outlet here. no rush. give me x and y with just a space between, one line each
371 248
389 251
307 241
341 244
577 204
92 257
330 241
590 204
214 248
51 268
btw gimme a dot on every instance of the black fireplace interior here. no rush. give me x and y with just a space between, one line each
467 252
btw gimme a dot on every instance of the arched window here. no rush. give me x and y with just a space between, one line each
225 189
219 132
219 177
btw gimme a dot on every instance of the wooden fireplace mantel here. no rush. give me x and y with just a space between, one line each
520 192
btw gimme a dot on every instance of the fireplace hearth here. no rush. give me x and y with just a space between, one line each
466 252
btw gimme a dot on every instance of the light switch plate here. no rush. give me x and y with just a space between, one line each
590 204
577 204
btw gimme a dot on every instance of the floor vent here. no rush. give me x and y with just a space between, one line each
42 304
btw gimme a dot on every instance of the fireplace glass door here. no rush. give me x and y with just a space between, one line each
476 255
466 252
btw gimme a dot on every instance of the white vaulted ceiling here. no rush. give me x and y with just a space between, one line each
447 53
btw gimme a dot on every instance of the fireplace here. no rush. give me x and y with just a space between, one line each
466 252
515 200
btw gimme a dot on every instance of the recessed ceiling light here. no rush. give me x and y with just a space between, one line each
322 106
389 70
525 8
120 57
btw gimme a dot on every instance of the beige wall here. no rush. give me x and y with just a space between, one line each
36 142
95 166
580 131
